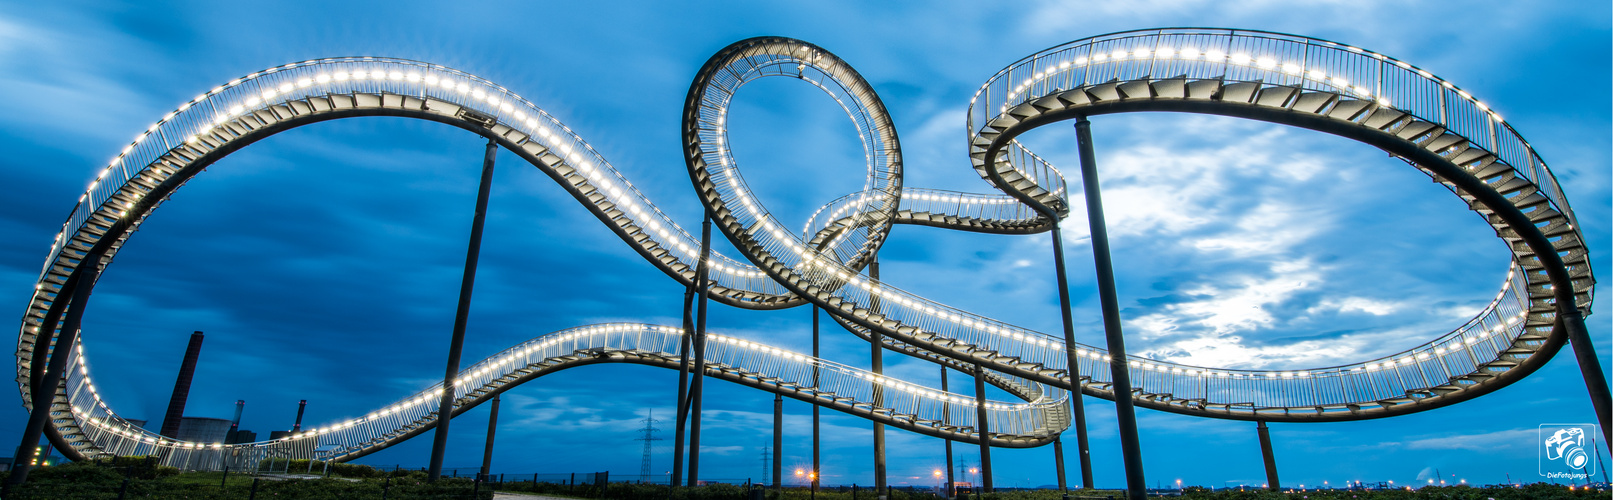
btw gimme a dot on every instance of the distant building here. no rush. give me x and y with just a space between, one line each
203 430
245 436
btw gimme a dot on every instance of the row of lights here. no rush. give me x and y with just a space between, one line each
883 381
1244 59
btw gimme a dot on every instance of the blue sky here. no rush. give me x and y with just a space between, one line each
324 262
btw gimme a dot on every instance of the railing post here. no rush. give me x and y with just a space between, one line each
445 405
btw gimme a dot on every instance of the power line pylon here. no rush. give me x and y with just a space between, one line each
649 435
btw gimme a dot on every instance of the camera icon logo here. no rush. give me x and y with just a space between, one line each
1565 450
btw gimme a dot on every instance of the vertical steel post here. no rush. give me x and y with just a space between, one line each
1268 456
445 406
1130 446
492 426
681 417
985 430
778 443
1058 462
697 386
877 360
817 466
51 377
946 411
1077 401
1590 367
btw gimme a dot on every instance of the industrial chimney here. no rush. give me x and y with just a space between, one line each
176 403
235 423
300 406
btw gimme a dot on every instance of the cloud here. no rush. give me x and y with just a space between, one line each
1512 439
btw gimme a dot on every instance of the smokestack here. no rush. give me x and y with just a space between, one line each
300 406
176 403
235 423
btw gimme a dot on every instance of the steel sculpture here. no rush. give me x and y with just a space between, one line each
1285 79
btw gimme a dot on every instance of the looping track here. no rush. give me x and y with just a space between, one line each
1296 81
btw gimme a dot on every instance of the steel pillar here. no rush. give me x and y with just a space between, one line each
681 416
1590 368
877 360
1268 456
492 426
778 443
946 409
1130 446
1058 462
985 431
817 466
445 406
1077 401
51 377
698 343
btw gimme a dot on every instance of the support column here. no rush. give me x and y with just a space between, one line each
698 343
487 453
985 431
1130 446
1058 462
681 416
877 342
51 376
1271 459
1590 367
445 406
778 443
1077 400
817 466
946 411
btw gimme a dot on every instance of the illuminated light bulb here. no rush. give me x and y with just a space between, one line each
322 78
1099 57
340 76
1240 58
1265 62
1166 52
1141 53
268 94
285 87
1292 69
395 75
1189 52
412 76
1080 61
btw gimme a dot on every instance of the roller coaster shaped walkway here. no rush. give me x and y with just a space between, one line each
1430 123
